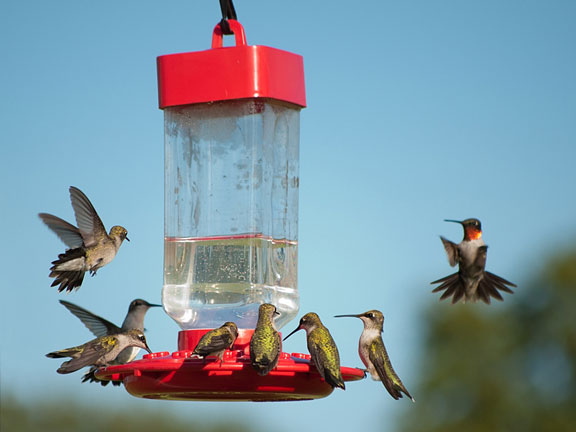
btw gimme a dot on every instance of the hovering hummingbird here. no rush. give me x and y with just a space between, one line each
471 282
322 349
90 247
102 327
374 355
99 352
216 341
265 344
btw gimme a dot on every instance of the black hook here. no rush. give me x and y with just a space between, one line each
228 12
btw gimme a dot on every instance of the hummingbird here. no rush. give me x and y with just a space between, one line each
102 327
322 349
471 282
89 246
216 341
374 355
265 344
99 352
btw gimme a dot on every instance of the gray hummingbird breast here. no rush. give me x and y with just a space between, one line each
469 249
366 339
127 355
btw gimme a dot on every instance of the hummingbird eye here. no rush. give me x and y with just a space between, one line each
370 315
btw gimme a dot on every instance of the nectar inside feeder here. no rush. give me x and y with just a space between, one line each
232 118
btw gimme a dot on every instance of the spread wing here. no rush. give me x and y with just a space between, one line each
67 232
451 250
97 325
89 223
91 353
379 358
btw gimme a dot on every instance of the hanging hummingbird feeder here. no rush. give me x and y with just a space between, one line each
231 117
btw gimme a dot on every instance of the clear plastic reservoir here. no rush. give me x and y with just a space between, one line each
231 212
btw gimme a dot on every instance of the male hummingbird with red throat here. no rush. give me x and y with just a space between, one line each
472 282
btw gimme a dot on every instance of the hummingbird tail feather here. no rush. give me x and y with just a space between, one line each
263 365
57 354
483 293
501 283
452 286
491 285
91 377
444 279
69 269
68 280
393 389
398 390
73 365
488 287
487 290
69 367
335 381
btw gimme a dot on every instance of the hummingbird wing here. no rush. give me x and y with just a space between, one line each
379 358
451 250
214 341
97 325
325 357
91 353
265 348
67 232
89 223
68 352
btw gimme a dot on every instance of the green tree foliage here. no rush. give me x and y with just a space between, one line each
68 416
507 367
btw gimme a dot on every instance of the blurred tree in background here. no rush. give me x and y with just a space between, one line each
68 416
507 367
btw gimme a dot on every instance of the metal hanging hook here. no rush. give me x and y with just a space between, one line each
228 12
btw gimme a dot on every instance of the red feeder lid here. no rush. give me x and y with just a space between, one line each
225 73
180 376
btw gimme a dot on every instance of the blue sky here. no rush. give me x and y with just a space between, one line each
417 111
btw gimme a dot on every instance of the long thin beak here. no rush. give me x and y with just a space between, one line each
127 239
352 316
297 328
154 305
148 349
452 220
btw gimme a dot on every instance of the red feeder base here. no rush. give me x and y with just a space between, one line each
181 377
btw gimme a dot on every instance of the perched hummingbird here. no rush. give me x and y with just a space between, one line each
101 327
374 355
265 345
471 282
90 247
216 341
322 349
99 352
